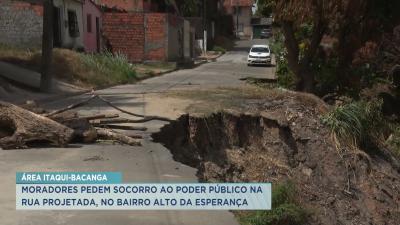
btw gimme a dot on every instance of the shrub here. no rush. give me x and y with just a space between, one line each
358 123
285 210
219 49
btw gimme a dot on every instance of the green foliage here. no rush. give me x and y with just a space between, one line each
264 8
285 210
219 49
359 123
285 77
188 8
115 66
326 76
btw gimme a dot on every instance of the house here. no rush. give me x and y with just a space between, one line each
146 30
241 12
259 24
92 23
68 24
21 23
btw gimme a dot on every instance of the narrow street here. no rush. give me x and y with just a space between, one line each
150 163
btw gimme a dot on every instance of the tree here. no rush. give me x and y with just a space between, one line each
264 8
188 8
351 22
295 15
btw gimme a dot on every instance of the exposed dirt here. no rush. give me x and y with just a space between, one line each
283 138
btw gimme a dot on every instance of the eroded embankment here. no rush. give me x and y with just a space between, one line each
339 188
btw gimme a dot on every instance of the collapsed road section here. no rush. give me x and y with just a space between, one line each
282 144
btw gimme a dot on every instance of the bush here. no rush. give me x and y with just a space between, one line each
285 210
219 49
358 123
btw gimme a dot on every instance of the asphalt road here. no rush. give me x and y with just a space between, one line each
150 163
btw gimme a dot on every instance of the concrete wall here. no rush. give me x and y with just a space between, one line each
90 38
21 23
187 40
66 39
175 38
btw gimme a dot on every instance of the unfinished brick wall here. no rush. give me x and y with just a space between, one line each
140 36
21 23
124 33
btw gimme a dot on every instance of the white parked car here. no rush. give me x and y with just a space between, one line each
259 55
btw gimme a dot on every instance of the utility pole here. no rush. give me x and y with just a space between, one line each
47 46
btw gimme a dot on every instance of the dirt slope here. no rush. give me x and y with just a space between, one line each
282 139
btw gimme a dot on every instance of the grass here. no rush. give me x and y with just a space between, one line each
358 123
86 70
285 209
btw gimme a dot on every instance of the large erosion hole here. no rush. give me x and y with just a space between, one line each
229 147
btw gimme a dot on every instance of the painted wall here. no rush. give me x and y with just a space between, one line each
21 23
90 37
66 39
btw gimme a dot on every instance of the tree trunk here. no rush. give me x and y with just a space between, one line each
47 46
20 127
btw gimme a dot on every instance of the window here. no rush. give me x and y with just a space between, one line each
89 23
260 50
73 27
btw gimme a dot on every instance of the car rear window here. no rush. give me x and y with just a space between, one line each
260 49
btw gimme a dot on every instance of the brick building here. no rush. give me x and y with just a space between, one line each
146 33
